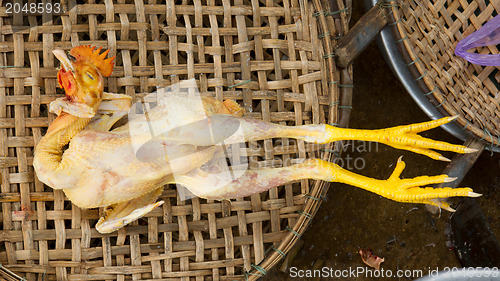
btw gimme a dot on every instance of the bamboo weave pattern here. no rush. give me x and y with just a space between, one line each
429 31
273 57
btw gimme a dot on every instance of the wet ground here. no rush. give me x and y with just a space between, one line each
406 235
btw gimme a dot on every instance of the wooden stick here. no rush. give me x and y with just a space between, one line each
361 35
6 274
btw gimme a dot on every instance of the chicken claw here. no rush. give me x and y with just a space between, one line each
410 190
404 137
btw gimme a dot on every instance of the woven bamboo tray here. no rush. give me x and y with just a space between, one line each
428 32
273 57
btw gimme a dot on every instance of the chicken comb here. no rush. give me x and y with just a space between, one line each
92 56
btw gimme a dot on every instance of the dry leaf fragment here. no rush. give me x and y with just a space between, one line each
370 259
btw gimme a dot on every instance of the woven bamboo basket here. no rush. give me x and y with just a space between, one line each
273 57
428 32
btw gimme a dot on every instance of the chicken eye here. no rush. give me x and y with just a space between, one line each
90 76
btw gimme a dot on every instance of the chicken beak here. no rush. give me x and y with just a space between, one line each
63 58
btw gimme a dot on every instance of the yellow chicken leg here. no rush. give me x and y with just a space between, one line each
400 137
225 185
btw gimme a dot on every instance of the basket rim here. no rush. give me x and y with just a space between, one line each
320 188
429 88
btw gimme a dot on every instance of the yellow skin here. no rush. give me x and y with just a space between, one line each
100 167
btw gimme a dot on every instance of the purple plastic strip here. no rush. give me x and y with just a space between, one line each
489 34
